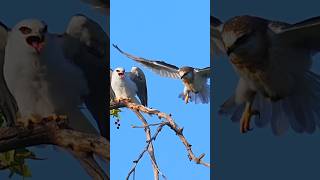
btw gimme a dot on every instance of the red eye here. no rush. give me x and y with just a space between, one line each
25 30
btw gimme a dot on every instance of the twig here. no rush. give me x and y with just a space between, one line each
146 149
150 146
156 124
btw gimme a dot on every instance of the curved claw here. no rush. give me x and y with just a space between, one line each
246 118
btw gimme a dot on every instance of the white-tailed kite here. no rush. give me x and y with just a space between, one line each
50 74
195 80
128 85
273 60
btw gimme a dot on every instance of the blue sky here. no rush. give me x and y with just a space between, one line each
259 154
178 33
56 14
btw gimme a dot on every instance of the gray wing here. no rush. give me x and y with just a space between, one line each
8 104
304 34
112 95
216 43
159 67
87 45
139 78
101 5
205 72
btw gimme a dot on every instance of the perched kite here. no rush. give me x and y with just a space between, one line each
195 80
128 85
273 60
50 74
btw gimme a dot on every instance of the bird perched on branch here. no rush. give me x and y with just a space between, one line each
195 80
273 60
128 85
54 74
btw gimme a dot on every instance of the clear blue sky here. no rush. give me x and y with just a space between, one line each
178 33
259 154
56 14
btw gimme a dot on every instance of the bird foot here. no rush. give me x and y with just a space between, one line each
26 121
118 100
55 117
186 99
246 118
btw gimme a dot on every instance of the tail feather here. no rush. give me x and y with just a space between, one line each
300 111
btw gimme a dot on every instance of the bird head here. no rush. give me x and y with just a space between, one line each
244 35
120 72
31 34
186 73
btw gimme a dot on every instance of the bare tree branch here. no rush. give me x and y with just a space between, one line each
56 132
145 150
150 146
168 121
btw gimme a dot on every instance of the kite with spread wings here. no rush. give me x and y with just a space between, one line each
273 60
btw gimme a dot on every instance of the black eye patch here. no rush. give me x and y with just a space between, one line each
242 39
25 30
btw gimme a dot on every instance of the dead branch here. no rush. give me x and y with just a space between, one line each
150 146
168 121
56 132
146 149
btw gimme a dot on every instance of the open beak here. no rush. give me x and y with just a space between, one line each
121 75
36 42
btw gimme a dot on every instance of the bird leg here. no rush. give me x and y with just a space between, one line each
246 117
186 98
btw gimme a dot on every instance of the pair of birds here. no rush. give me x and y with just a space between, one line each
45 74
273 60
126 85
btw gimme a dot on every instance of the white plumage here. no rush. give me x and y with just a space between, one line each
46 75
129 85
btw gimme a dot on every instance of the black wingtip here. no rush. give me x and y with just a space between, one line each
115 46
215 21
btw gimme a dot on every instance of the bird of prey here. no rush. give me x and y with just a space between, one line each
54 74
126 85
195 80
273 60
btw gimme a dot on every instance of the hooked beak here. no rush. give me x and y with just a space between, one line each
121 75
36 42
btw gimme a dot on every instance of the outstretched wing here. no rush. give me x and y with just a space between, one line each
139 78
205 72
87 46
159 67
216 43
304 34
8 104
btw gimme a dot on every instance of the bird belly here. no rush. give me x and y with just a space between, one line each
124 89
272 82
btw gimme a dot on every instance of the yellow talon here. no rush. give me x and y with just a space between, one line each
246 117
186 99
